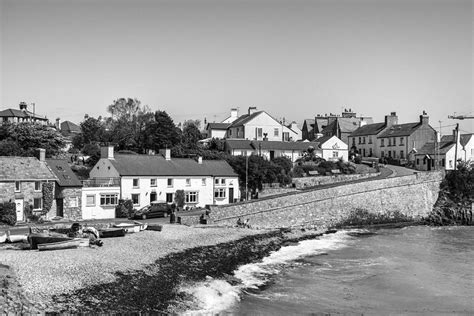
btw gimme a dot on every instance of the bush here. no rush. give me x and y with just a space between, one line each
124 209
357 159
8 213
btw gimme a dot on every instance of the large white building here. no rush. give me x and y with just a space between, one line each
148 178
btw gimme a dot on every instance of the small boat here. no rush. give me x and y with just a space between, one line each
111 232
3 238
68 244
83 242
36 239
143 226
129 228
16 238
155 227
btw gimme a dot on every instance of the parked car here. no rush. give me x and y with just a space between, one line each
155 209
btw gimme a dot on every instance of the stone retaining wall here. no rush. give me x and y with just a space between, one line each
301 183
413 195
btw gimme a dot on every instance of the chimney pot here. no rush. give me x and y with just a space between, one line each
42 154
23 106
200 160
166 153
107 152
252 110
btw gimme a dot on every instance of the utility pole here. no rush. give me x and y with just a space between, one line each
246 176
439 142
456 134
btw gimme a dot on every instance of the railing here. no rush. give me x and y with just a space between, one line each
101 182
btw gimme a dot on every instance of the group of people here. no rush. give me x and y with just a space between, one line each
77 231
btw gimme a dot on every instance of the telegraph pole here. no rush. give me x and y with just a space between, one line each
456 146
246 176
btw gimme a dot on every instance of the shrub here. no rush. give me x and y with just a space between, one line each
357 159
124 209
8 213
179 198
48 196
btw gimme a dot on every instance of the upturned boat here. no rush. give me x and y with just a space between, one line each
129 228
16 238
3 238
111 232
155 227
68 244
36 239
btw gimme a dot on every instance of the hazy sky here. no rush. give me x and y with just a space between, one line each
197 59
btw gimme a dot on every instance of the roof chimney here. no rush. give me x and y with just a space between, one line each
166 153
58 124
23 106
200 160
42 154
252 110
107 152
234 113
391 119
424 118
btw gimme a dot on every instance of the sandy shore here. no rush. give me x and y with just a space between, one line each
44 275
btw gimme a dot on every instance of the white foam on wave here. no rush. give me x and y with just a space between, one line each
213 296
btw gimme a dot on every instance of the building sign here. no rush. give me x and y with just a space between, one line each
335 146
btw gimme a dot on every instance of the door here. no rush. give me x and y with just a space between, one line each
231 195
429 164
272 154
19 210
60 207
152 197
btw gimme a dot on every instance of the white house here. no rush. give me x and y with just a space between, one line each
148 178
259 125
217 130
332 148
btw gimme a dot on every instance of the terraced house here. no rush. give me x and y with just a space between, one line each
148 178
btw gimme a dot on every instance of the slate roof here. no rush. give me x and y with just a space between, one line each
70 127
309 124
23 168
322 140
243 119
20 113
157 165
320 124
369 129
463 138
245 144
430 148
65 176
220 126
400 130
348 124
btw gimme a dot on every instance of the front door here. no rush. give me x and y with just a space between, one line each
19 210
231 195
272 154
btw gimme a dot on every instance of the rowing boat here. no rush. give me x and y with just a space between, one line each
111 232
155 227
129 228
36 239
16 238
143 226
3 238
68 244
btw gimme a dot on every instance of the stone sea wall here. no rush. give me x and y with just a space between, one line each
412 195
301 183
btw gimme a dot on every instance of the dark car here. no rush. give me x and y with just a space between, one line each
155 209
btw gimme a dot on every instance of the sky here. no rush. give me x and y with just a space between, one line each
197 59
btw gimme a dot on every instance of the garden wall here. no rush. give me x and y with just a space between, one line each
412 195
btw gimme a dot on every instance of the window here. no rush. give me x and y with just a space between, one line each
390 153
370 139
170 182
370 152
223 181
108 199
244 153
74 202
230 132
417 161
353 141
216 181
424 161
363 140
203 181
402 154
259 132
191 197
188 182
37 185
394 154
450 164
17 186
286 136
360 140
382 141
275 132
389 142
401 141
363 152
335 154
382 153
135 183
90 200
37 203
169 197
153 182
136 199
219 193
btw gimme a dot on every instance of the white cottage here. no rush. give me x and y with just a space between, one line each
332 148
148 178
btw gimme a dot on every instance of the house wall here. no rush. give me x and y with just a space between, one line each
395 147
293 135
72 202
366 142
216 133
334 145
104 169
95 210
267 124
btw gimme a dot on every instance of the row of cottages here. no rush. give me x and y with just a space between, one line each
22 181
443 155
148 178
329 148
21 115
390 139
254 125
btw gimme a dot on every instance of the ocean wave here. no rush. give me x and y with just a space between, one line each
213 296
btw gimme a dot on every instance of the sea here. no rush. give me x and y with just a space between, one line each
415 270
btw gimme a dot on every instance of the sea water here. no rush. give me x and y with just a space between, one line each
415 270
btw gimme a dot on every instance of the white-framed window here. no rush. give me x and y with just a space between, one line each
37 203
170 182
370 139
401 141
191 197
360 140
74 201
219 193
136 198
222 181
188 182
275 132
335 154
153 182
259 132
203 181
17 186
216 181
382 142
109 199
286 136
136 183
90 200
169 197
37 185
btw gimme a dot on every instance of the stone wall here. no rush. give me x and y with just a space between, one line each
413 195
301 183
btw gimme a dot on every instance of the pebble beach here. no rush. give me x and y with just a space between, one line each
36 277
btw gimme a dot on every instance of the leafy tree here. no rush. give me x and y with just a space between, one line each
190 136
10 148
126 108
196 123
160 133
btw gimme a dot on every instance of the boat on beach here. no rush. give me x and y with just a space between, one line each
68 244
143 226
155 227
36 239
129 228
3 238
111 232
16 238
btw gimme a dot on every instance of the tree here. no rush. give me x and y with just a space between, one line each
126 108
190 136
160 133
10 148
196 123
